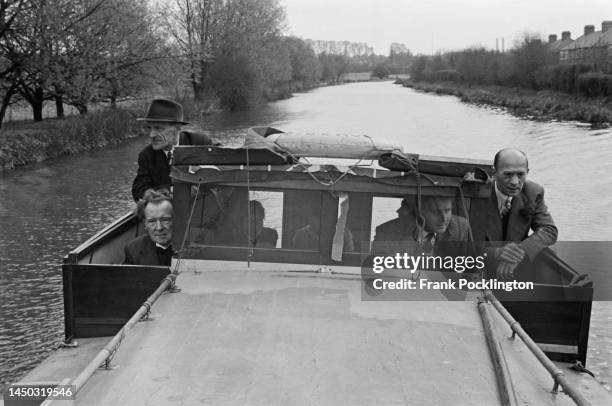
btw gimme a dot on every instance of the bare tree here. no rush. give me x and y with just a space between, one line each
207 30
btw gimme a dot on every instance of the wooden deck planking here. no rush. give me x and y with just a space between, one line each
257 338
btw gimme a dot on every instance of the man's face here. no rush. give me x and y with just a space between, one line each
158 222
163 135
511 173
437 214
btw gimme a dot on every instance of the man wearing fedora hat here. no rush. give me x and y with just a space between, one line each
163 124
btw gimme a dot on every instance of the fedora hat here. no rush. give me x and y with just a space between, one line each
164 111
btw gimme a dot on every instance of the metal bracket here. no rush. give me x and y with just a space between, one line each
69 343
108 366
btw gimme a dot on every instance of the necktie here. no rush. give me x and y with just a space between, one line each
506 207
170 157
428 243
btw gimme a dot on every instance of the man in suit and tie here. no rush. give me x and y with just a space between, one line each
437 228
162 123
516 207
154 247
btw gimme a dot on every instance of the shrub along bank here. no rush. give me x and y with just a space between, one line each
25 143
534 104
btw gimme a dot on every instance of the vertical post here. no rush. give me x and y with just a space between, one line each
180 203
68 303
329 216
583 332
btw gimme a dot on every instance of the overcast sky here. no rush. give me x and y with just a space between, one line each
427 25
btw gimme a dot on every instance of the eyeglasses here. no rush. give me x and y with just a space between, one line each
164 221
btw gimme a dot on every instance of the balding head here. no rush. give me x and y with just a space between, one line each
509 153
510 168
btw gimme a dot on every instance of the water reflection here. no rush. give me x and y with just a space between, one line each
48 209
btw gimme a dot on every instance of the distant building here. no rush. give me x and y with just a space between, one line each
349 49
556 45
592 47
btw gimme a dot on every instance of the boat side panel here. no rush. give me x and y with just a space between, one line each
110 250
564 323
557 311
127 226
102 298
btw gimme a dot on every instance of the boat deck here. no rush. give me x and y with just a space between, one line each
249 336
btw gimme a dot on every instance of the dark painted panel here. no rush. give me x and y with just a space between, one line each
564 323
101 296
225 156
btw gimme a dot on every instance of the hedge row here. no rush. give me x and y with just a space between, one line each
24 143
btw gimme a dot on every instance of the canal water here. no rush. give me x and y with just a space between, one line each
48 209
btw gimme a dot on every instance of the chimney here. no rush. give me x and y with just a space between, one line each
589 29
566 35
606 25
552 38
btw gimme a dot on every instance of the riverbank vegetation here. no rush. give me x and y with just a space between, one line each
529 80
24 143
533 104
218 54
86 55
68 57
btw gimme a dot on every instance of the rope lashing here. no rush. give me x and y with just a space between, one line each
248 206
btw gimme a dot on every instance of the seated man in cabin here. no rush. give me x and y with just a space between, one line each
235 229
154 247
163 125
516 207
440 226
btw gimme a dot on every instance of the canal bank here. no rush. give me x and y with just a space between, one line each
23 142
543 105
26 143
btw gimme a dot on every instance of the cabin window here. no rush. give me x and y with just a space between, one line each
302 219
393 218
300 226
316 226
269 229
227 216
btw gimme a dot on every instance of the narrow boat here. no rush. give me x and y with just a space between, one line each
272 297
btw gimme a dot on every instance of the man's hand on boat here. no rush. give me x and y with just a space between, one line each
505 271
509 256
511 253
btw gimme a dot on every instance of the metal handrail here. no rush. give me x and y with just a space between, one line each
111 347
502 373
556 373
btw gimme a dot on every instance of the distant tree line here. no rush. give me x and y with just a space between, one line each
531 64
78 52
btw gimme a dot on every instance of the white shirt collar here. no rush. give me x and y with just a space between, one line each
161 246
501 198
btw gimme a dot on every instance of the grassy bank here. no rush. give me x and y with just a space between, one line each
23 143
26 142
543 105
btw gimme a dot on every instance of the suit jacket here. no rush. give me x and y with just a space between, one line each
528 212
153 172
143 251
397 235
